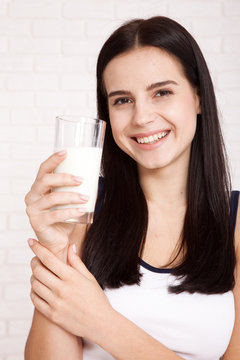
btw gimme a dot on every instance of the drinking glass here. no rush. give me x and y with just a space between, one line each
82 137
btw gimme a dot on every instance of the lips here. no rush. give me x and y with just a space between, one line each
150 137
151 140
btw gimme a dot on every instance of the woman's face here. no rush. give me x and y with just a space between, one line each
152 107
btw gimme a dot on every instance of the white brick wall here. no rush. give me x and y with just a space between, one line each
48 54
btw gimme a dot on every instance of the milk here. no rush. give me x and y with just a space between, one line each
84 162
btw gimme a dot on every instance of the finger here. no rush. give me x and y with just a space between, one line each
42 290
48 181
54 199
41 305
40 221
49 260
77 264
46 167
51 163
42 274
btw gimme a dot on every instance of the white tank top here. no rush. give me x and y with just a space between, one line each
195 326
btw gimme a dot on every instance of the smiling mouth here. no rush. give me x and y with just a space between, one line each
152 139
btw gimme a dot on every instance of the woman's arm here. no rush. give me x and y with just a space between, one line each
70 297
233 350
125 340
48 341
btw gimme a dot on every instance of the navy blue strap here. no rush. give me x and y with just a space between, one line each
234 206
155 269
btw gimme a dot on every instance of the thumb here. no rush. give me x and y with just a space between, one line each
75 261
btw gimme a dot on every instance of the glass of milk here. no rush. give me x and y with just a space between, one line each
83 139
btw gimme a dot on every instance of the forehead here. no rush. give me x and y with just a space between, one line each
145 64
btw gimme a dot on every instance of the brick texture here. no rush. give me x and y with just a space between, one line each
48 53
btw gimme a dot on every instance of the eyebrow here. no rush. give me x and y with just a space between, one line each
161 83
150 87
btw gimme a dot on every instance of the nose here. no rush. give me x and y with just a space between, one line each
142 114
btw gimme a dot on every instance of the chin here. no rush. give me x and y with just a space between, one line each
153 165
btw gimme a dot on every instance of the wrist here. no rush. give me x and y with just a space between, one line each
60 253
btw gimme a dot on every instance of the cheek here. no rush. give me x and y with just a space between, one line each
184 112
118 123
116 129
191 116
188 126
119 135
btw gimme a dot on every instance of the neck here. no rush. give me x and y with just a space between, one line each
167 186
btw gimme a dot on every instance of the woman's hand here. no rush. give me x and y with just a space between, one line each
68 295
47 224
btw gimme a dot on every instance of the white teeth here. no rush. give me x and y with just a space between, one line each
152 138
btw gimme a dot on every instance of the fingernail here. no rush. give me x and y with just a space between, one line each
78 179
30 242
61 153
74 248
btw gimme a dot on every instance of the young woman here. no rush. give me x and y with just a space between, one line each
158 271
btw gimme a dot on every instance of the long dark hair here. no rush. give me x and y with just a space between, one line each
115 240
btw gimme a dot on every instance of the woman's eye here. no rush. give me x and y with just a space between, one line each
121 101
163 93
